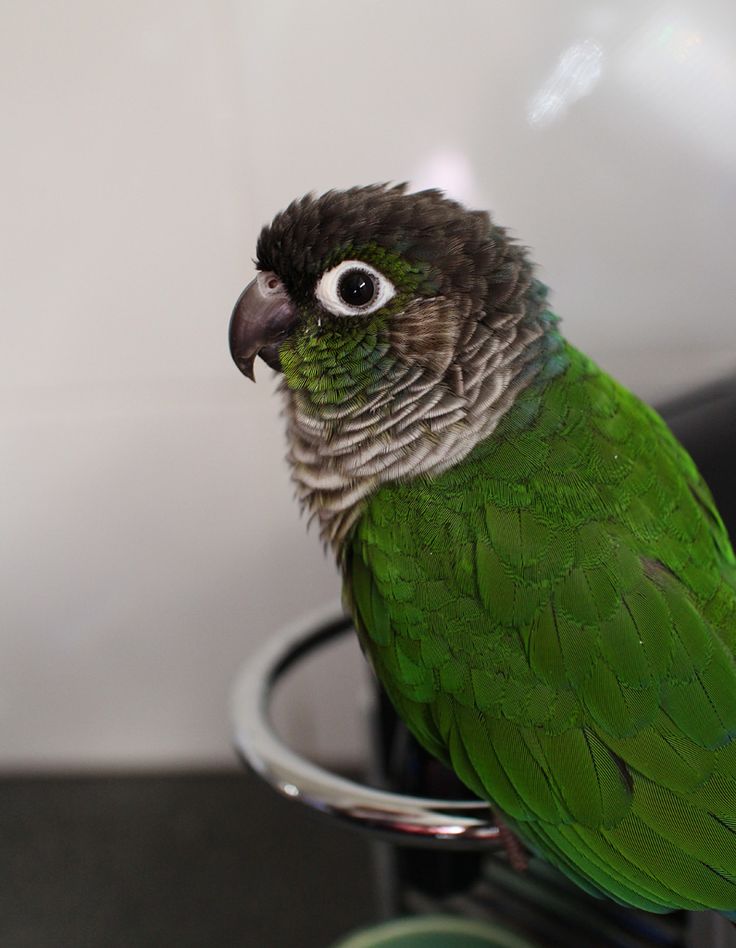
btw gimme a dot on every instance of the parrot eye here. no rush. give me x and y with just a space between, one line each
353 287
356 288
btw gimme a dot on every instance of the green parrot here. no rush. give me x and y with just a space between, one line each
536 570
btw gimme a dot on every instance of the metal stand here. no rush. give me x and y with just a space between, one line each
395 817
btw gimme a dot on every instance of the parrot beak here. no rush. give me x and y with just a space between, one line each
262 318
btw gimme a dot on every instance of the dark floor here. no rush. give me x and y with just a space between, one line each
207 861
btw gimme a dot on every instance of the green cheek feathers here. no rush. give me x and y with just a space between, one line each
340 358
332 360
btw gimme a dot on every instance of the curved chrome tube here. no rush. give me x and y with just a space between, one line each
403 819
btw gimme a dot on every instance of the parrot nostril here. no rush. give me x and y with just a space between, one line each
269 284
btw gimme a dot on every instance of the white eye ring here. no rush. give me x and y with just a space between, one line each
331 286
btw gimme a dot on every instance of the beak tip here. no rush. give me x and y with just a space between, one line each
246 367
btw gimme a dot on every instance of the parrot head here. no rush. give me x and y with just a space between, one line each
402 324
369 269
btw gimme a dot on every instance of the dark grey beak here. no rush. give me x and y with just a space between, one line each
262 318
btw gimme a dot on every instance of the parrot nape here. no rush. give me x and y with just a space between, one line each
536 570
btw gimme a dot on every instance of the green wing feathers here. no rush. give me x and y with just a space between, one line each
556 618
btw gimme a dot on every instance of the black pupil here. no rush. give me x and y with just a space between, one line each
356 287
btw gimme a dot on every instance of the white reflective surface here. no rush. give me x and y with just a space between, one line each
150 537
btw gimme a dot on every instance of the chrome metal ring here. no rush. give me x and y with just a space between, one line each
403 819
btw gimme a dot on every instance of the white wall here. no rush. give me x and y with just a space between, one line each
150 539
